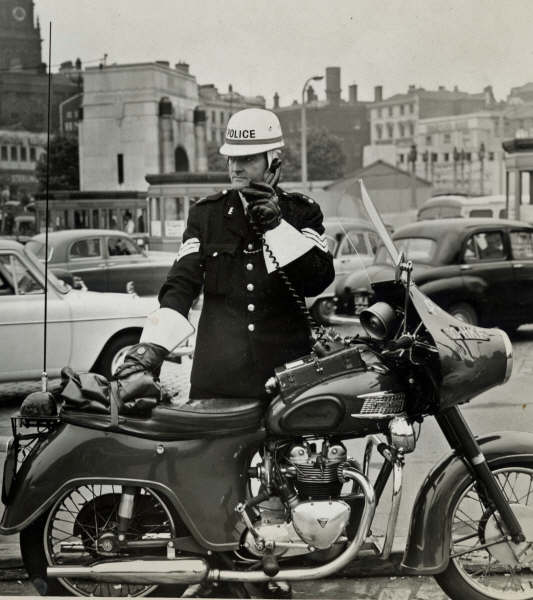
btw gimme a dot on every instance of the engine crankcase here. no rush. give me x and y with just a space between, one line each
321 523
285 540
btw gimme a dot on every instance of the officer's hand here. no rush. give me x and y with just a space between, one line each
142 358
263 206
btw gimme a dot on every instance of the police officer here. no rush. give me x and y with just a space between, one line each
234 245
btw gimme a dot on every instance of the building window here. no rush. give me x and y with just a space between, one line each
379 131
390 130
400 158
33 154
468 156
390 111
428 140
402 109
402 129
379 113
411 129
14 153
3 154
491 155
213 117
446 157
447 138
120 168
434 157
411 108
23 153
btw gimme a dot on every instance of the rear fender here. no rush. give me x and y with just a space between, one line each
426 553
203 480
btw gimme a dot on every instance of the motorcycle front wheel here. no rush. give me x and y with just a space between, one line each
81 528
483 564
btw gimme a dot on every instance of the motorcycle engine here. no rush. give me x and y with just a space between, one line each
316 472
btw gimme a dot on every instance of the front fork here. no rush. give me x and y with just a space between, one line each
461 439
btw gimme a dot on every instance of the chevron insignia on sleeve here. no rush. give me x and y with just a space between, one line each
189 247
317 239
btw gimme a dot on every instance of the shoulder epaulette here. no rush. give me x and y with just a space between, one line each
213 197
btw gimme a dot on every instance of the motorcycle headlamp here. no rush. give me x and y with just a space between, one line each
378 320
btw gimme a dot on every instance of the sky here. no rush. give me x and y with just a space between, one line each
264 46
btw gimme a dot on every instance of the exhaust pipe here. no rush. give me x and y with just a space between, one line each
196 570
177 570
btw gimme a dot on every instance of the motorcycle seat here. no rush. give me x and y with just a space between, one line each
198 418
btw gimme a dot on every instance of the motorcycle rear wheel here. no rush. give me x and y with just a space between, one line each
501 571
68 533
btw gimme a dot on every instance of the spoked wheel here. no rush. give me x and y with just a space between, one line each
82 528
484 565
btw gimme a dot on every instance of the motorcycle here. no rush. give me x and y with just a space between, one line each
223 496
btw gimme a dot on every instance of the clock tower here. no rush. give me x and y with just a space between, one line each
20 38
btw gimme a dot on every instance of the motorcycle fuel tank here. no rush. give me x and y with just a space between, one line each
356 404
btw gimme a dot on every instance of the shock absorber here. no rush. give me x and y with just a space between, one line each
125 510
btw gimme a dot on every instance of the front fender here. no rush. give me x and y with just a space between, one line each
203 480
427 552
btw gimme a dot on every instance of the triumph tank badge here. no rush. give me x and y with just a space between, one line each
322 522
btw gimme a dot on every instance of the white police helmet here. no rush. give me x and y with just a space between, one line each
251 131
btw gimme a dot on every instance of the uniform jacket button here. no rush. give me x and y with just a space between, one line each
249 266
251 327
251 307
250 287
250 246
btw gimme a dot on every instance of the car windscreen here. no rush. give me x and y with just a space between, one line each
417 249
38 249
59 284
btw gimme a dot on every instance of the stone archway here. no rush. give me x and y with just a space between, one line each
181 160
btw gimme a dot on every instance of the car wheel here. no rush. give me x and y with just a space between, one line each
464 312
114 352
322 309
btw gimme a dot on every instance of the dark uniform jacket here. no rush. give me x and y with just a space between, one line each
250 323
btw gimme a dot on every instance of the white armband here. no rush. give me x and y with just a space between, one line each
167 328
287 244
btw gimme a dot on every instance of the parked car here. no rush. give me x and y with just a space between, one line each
106 260
352 242
479 270
446 206
86 330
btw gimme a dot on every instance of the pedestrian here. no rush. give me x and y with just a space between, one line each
250 321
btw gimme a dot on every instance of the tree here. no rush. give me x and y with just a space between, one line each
64 165
325 157
215 160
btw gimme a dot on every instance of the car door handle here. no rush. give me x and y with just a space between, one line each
465 267
102 265
518 266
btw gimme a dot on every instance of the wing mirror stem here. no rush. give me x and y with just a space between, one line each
404 266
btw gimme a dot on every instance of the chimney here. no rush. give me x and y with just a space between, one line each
66 66
230 89
411 89
352 93
78 64
455 88
163 63
333 85
378 93
276 100
183 67
310 94
442 88
489 95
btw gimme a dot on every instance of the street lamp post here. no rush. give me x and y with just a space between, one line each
304 131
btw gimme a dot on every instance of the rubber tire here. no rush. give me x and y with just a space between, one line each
450 580
465 309
34 558
103 365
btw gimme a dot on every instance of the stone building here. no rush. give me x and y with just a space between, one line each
23 78
463 153
346 120
138 119
19 153
394 121
219 107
